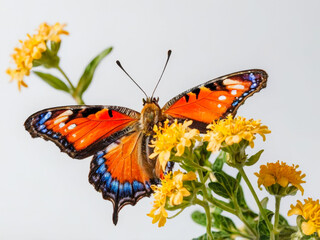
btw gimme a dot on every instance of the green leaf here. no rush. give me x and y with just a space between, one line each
199 218
216 236
88 73
218 189
229 183
223 223
241 199
262 226
218 163
254 158
264 202
53 81
283 221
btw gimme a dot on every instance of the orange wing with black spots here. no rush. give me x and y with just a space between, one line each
122 172
81 131
215 99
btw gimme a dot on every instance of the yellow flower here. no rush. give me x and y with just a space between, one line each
31 49
232 131
175 137
171 187
310 211
281 174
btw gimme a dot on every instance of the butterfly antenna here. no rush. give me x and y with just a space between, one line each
169 54
119 64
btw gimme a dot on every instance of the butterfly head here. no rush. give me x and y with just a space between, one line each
148 100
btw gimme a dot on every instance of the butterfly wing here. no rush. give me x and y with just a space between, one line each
216 98
122 172
81 131
120 167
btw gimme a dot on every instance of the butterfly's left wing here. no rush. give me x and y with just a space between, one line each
216 98
81 131
120 168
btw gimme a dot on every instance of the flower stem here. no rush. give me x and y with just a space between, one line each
66 77
242 218
262 212
275 232
73 90
206 207
216 203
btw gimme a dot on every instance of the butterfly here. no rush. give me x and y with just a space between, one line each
118 138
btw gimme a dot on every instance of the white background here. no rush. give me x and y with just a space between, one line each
44 194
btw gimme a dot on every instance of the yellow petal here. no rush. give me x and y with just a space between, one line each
294 211
308 228
283 181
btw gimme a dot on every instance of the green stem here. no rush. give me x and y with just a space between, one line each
79 100
242 218
206 207
178 213
262 212
66 77
73 90
216 203
275 232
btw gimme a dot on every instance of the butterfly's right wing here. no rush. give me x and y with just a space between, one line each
215 99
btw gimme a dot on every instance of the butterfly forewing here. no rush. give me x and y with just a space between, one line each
81 131
215 99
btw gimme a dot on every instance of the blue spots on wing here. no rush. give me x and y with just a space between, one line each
114 186
106 176
254 85
252 77
137 186
56 135
100 154
108 182
127 189
101 169
235 103
44 118
100 161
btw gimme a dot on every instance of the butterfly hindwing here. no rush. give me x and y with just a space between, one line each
215 99
122 172
81 131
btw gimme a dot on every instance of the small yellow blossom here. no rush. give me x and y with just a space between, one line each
310 211
282 174
31 49
176 136
232 131
171 187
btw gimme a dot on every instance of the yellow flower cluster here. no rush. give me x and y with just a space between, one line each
310 211
176 136
233 130
282 174
31 49
171 187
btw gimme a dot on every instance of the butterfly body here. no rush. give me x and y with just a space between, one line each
118 138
